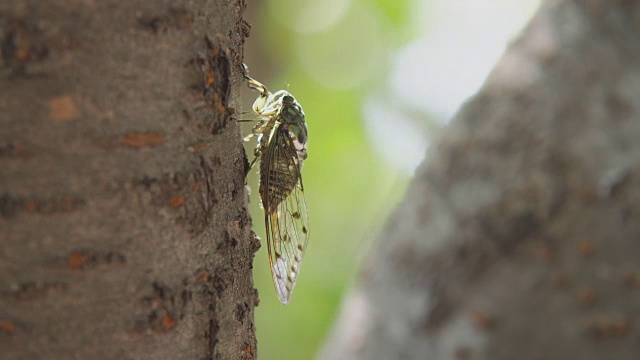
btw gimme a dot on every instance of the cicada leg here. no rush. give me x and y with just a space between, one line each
256 155
255 84
257 152
257 130
265 105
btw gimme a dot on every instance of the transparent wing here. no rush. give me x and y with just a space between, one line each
286 215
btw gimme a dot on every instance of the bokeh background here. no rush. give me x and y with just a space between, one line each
377 80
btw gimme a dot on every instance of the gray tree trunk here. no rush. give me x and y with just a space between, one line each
124 231
520 235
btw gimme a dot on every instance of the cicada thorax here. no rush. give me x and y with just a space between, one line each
296 126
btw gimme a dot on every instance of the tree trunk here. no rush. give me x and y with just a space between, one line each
124 231
519 237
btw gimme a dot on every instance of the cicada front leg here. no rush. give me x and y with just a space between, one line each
264 98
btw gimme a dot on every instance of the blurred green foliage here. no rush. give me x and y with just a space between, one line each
349 189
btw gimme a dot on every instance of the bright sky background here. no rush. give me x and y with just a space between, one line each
439 70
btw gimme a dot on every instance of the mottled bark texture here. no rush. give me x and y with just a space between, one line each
124 231
520 236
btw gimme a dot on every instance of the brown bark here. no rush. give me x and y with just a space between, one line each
124 231
519 236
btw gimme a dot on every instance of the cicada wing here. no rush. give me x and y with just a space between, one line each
286 215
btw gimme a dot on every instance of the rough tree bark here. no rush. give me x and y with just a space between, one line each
519 237
124 231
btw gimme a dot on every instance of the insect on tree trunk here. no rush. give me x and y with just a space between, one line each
124 230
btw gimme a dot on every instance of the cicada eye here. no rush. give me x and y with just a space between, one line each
288 100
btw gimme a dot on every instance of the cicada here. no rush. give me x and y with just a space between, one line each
282 148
